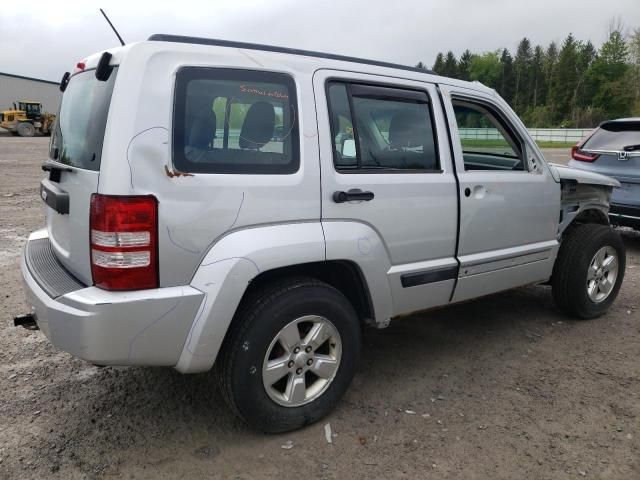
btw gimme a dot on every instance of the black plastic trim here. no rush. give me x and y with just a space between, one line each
55 197
429 276
47 271
160 37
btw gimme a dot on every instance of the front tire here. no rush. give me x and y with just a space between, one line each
290 354
589 270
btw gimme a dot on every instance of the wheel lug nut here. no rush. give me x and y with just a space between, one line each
296 350
309 362
299 371
308 349
290 364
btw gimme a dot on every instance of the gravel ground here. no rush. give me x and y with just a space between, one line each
502 387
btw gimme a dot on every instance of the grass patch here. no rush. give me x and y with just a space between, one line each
502 143
547 144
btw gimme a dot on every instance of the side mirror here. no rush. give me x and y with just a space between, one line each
349 148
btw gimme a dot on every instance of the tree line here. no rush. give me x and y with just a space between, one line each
574 85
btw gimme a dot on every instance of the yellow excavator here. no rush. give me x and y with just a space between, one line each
26 119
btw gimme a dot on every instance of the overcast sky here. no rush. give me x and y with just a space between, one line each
45 38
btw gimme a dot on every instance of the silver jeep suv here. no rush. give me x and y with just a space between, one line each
253 208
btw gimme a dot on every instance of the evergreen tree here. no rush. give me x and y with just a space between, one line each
538 80
421 66
575 85
505 81
608 77
438 66
634 58
550 63
564 81
464 65
450 65
522 71
584 90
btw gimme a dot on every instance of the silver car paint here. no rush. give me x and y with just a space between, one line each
583 176
198 210
505 210
218 232
226 271
69 233
413 214
146 327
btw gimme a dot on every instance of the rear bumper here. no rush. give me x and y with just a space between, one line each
625 215
143 327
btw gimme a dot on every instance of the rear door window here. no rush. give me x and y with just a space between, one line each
615 136
381 128
235 121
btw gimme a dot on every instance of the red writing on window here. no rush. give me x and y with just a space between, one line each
263 93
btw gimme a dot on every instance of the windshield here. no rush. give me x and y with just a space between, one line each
79 131
614 136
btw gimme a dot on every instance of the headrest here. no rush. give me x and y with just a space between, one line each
257 129
407 129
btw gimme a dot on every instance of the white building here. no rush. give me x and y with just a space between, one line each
14 88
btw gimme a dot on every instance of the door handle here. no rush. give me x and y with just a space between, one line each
353 194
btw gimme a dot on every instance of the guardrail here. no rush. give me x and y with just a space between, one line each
544 134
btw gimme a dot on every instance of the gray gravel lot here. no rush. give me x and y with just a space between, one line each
501 387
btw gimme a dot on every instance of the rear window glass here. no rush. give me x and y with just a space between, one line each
614 136
235 121
79 131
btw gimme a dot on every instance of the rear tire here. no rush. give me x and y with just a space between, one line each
589 270
26 129
268 328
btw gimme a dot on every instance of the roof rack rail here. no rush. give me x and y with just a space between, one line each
159 37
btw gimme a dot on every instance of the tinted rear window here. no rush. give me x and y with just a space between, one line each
235 121
79 131
614 136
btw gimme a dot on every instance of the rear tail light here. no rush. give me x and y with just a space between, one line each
124 242
581 156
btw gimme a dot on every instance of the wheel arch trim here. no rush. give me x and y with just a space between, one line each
239 257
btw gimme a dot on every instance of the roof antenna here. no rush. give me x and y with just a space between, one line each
112 27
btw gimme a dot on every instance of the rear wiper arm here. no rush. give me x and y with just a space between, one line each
55 169
49 166
631 148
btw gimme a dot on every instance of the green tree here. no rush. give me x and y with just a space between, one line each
450 65
609 77
550 64
486 68
506 79
522 72
538 80
634 59
564 81
421 66
583 92
464 65
438 65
